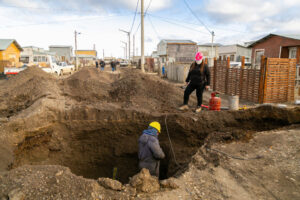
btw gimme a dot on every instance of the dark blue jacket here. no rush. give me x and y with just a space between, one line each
150 152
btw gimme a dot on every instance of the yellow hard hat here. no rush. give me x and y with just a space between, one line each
155 125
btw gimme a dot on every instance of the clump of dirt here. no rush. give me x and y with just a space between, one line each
88 85
21 91
137 90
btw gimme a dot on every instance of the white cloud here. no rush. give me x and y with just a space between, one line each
256 15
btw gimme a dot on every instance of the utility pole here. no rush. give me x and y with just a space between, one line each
142 37
103 54
76 59
212 43
125 48
128 33
133 46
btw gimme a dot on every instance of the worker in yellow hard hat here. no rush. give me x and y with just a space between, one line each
150 152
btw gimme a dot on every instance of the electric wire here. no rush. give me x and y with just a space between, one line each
191 23
177 24
190 9
171 145
154 29
144 16
234 157
137 5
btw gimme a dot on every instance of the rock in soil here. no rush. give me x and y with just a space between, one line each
169 183
110 184
144 182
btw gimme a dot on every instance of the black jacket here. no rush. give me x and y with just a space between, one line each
197 77
102 63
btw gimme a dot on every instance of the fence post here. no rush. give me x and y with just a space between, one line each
242 77
227 75
262 80
215 75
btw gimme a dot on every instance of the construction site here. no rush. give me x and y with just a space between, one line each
76 137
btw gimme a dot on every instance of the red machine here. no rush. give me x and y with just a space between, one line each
215 102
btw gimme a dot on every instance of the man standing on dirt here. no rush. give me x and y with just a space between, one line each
97 64
150 152
102 65
113 65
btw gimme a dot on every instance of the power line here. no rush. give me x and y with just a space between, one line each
177 24
146 12
153 27
185 22
190 9
137 5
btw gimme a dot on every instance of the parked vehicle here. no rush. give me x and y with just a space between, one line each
14 70
124 63
58 69
239 64
67 68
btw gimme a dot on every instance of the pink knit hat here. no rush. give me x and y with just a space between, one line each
198 56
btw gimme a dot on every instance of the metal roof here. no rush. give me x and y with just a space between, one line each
209 44
178 41
4 44
60 46
295 37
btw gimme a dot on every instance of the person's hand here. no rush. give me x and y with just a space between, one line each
207 87
186 83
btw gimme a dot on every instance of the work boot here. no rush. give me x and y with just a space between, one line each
198 109
184 107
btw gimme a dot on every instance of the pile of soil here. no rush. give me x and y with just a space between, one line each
21 91
138 90
88 85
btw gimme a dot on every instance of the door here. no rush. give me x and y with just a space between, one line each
258 54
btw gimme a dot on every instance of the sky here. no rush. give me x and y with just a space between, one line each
43 23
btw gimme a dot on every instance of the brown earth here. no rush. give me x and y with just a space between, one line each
90 123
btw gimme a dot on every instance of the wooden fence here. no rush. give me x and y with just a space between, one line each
279 80
274 82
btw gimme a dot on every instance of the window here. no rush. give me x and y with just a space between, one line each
35 59
292 52
232 57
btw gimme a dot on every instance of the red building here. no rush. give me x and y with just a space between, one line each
276 46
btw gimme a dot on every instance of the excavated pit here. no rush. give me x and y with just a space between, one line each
92 142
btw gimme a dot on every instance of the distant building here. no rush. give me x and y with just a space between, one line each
176 51
276 46
235 53
86 57
63 53
35 56
207 51
9 53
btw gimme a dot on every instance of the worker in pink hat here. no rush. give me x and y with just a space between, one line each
198 79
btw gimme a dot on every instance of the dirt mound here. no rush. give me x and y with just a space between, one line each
142 91
22 90
89 85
